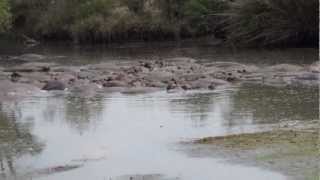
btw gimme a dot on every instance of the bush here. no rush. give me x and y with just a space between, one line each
270 22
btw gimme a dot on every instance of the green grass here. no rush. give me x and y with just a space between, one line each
284 149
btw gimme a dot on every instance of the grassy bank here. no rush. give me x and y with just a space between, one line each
294 152
243 22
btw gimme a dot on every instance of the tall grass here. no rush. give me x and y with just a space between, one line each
269 22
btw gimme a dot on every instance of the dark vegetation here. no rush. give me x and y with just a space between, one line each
246 22
274 21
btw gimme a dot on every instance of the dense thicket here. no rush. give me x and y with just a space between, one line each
239 21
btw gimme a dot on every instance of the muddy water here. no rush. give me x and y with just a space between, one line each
117 136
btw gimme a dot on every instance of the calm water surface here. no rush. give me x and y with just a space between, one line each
201 51
117 136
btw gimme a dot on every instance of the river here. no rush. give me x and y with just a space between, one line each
138 136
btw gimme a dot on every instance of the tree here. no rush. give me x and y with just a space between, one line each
5 16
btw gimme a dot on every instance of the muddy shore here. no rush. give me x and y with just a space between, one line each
34 72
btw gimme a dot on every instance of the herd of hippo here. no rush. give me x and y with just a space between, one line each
35 72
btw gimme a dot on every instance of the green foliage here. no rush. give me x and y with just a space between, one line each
5 16
265 22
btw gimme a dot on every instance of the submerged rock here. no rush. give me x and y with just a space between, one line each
15 77
115 83
31 67
211 87
171 86
54 85
315 67
30 57
285 68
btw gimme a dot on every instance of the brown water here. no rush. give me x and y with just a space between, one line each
125 137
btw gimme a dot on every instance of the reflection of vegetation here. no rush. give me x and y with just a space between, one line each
81 111
272 104
15 140
252 104
197 106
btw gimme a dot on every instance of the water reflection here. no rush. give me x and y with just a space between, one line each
249 104
16 140
267 104
82 113
203 107
78 112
